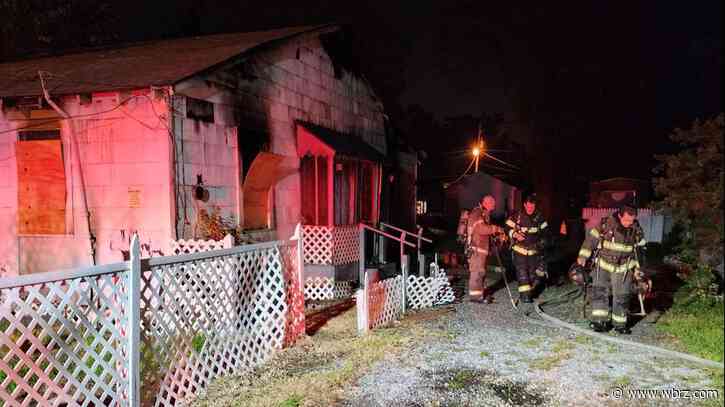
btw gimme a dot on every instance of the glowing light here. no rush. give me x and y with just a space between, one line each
476 151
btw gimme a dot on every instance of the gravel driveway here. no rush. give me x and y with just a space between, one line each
494 357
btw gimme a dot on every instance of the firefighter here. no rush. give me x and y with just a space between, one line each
526 230
479 231
616 242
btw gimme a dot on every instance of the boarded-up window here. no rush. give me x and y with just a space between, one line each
41 183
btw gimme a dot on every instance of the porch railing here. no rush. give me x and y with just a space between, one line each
380 302
330 245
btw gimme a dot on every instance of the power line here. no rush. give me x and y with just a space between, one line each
501 161
465 172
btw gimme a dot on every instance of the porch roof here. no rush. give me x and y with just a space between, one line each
341 143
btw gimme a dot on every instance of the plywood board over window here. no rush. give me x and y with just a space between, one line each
41 184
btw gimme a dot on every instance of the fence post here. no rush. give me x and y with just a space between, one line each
381 249
300 257
421 265
361 261
405 263
134 326
361 301
228 241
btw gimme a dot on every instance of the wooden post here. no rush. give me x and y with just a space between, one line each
361 301
300 256
228 241
404 266
134 325
361 261
421 265
402 246
381 249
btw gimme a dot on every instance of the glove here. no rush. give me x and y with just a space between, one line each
638 275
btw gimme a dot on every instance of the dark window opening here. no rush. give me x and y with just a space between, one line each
251 142
201 110
39 135
314 184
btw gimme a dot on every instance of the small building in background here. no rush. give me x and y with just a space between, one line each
467 193
614 192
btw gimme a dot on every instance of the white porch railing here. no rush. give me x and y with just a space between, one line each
156 330
325 289
379 303
190 246
334 245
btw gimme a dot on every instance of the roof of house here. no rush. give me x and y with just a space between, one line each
154 63
345 144
618 179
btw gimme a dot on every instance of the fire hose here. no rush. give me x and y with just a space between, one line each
574 294
651 348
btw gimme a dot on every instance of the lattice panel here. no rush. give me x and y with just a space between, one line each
210 317
195 246
323 288
425 292
345 244
317 243
385 301
295 324
61 343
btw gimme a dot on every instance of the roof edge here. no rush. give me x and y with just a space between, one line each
256 48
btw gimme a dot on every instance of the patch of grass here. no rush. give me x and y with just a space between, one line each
294 400
717 382
622 381
561 346
583 340
318 367
461 380
197 343
550 362
602 377
611 348
484 354
534 342
696 322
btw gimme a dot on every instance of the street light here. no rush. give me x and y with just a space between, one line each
477 150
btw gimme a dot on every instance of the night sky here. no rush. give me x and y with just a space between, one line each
604 82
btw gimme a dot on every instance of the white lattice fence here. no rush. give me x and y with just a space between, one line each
346 244
384 301
322 289
63 340
190 246
424 292
65 335
317 243
215 316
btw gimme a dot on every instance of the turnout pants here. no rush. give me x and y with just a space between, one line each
477 276
618 285
526 272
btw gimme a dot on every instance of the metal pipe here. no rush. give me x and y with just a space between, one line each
420 233
75 148
389 236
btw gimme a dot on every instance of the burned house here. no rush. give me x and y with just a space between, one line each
264 129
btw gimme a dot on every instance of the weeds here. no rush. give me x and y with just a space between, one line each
313 372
